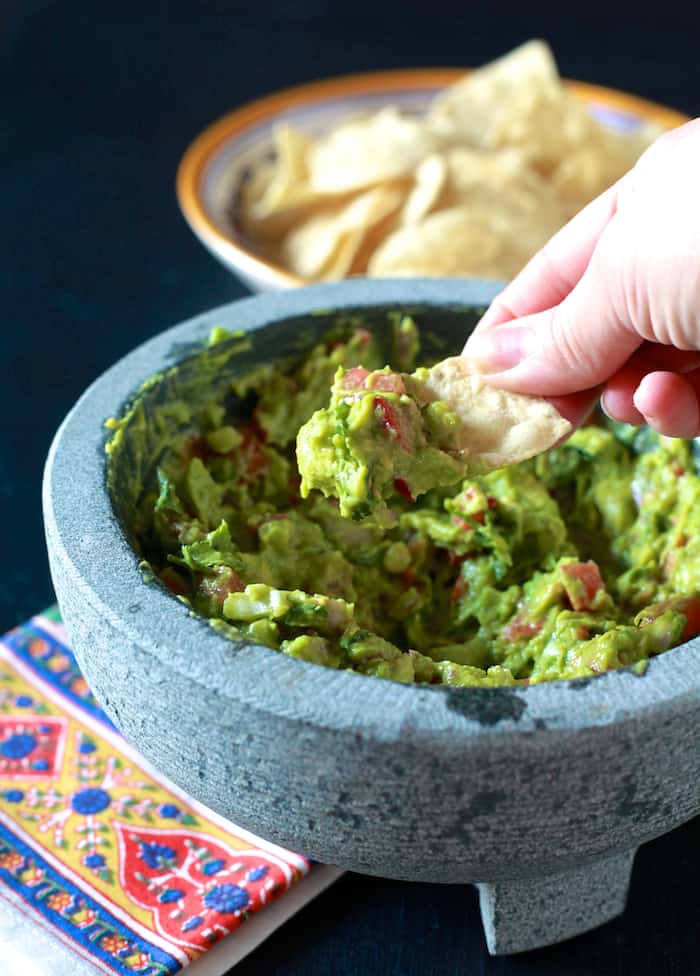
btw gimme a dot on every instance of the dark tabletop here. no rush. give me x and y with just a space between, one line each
97 103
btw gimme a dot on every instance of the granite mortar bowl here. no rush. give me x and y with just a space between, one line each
539 795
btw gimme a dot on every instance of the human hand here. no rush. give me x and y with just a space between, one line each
612 302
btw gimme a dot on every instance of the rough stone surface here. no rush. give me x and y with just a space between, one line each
527 914
542 790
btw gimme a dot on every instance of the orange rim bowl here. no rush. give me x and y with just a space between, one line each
203 150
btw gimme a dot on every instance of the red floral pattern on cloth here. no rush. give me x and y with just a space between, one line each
196 888
31 748
119 862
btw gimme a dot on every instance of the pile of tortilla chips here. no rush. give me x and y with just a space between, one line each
473 188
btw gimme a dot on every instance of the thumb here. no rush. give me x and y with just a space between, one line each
575 345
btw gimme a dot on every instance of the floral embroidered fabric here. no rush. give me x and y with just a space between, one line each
99 847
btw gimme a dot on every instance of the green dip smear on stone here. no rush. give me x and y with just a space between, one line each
579 561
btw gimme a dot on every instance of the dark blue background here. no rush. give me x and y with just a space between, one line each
97 103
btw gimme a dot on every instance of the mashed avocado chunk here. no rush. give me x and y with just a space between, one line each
581 560
376 439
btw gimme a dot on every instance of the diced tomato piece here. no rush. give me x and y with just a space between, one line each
254 429
453 559
257 461
387 383
462 523
692 618
459 589
491 502
196 447
174 581
678 470
363 336
582 581
673 555
520 628
354 379
391 421
401 488
408 577
219 587
252 450
466 500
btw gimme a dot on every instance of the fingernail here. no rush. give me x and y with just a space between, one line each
497 349
604 405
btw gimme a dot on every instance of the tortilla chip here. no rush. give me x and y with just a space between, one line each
344 255
324 246
276 196
256 183
289 183
519 101
430 178
476 174
366 151
467 241
371 241
497 427
589 169
472 110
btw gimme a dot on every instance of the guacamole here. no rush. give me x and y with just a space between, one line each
386 433
378 437
573 563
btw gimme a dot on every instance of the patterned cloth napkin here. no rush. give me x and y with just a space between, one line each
102 852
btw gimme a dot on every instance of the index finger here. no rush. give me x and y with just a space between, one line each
554 271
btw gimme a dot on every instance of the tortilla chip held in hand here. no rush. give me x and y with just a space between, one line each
386 434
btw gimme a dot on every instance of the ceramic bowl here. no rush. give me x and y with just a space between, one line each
540 795
213 167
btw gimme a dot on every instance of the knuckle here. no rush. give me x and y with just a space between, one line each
550 267
567 341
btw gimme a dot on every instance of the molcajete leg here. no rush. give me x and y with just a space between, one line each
534 912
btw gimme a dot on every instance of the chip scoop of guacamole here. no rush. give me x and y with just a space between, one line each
386 434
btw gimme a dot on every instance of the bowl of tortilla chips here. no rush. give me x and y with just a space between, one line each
382 761
418 172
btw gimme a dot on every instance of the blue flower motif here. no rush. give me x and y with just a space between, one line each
18 746
157 855
213 867
90 800
23 701
40 764
13 796
192 923
169 810
257 873
171 894
93 861
86 747
227 898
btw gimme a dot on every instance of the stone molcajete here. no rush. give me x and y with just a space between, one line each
539 795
